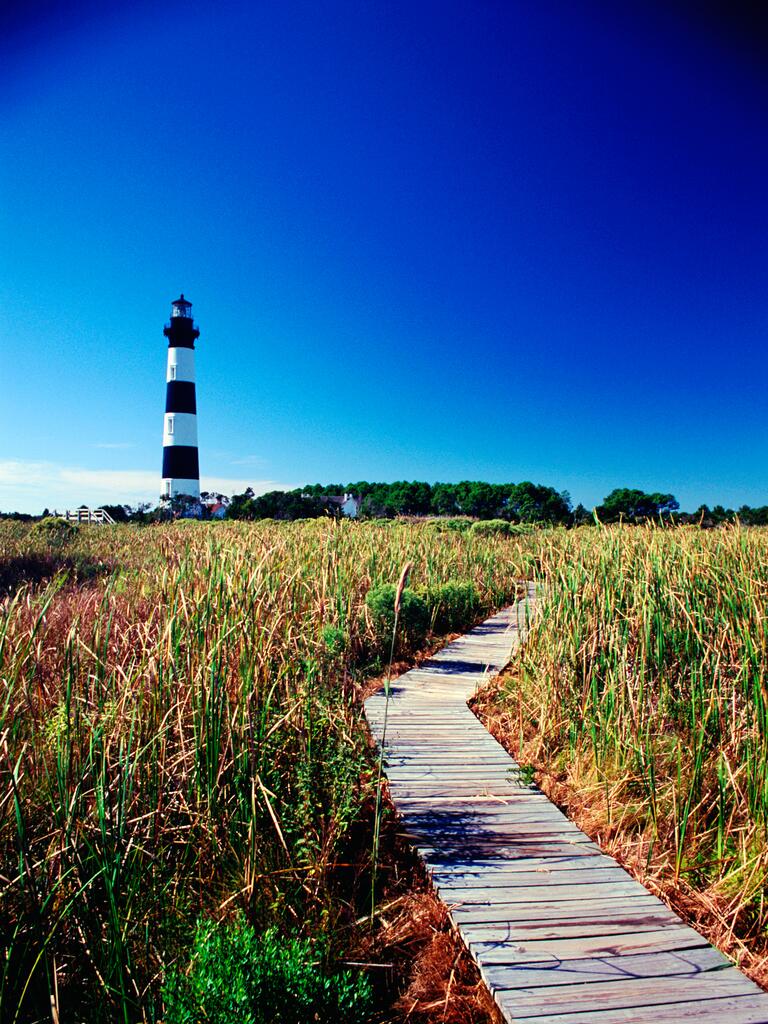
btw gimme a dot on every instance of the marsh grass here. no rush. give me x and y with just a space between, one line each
179 738
641 697
180 735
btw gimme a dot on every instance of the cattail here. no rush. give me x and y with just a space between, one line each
402 584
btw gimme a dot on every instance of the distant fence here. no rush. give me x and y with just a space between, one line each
89 515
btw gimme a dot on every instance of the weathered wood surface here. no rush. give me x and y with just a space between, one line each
560 932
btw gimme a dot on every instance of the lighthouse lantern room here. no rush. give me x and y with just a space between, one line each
181 472
181 307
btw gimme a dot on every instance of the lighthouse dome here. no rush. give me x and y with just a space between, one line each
181 307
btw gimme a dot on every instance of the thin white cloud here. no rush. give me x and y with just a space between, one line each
248 460
30 486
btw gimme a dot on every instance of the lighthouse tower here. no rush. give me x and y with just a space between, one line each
181 472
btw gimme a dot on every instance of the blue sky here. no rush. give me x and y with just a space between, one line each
423 241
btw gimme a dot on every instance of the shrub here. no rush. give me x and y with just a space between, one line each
335 641
455 524
54 532
500 527
454 606
413 621
237 976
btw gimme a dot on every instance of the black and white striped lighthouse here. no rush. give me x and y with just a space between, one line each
181 471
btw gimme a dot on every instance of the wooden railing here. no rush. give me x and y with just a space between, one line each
89 515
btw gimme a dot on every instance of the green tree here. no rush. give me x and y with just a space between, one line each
581 515
409 499
241 505
476 498
535 503
287 505
633 506
120 513
444 501
378 503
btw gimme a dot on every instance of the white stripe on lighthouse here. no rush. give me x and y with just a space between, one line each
181 361
180 428
180 487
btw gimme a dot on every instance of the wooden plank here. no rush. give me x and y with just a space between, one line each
515 797
468 751
490 869
626 993
462 799
507 829
444 736
501 832
445 788
451 769
562 881
488 950
471 810
688 963
435 725
531 892
434 790
487 815
437 734
409 746
524 934
466 805
528 919
750 1009
417 754
487 854
505 826
472 757
482 848
456 772
432 716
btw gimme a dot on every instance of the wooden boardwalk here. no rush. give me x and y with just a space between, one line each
560 932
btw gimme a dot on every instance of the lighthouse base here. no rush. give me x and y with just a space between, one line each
174 487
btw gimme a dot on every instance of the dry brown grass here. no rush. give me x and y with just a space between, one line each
183 737
429 975
596 807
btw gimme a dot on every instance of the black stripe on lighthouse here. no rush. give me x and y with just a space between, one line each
180 396
181 332
180 461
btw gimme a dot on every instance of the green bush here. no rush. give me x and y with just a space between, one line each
237 976
335 641
486 527
454 606
54 532
454 524
413 621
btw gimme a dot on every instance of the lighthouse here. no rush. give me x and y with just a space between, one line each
181 471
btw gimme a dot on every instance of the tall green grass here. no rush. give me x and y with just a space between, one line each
644 683
179 736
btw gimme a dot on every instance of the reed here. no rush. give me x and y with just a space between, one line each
180 732
180 736
642 691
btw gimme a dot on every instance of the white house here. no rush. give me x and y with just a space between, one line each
349 504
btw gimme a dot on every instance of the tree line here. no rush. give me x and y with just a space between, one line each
524 502
515 503
521 503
